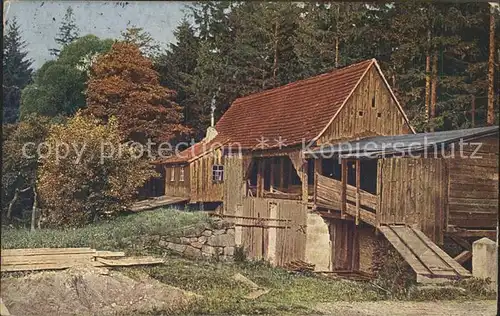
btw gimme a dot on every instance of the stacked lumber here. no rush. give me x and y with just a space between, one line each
63 258
299 266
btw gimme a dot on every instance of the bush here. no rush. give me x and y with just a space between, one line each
105 235
87 172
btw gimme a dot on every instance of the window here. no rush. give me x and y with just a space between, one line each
360 113
181 174
379 115
172 174
217 173
373 102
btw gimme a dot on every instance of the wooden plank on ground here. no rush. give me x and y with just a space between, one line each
131 261
35 267
109 254
50 258
44 251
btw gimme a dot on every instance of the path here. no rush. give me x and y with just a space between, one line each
403 308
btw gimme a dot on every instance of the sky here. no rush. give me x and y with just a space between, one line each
40 21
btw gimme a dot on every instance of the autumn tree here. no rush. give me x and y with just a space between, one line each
89 173
123 84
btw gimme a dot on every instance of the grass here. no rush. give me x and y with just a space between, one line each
106 235
290 293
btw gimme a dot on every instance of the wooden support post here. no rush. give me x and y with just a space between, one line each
260 177
281 161
305 186
271 174
344 188
358 184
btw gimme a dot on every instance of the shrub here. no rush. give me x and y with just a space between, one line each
88 172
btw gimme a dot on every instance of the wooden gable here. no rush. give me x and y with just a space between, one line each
371 109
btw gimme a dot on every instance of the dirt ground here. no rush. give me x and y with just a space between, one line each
88 291
402 308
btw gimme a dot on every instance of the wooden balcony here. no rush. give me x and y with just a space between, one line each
336 195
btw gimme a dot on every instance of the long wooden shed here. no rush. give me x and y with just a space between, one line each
288 205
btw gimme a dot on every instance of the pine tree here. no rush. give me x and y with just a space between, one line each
213 75
327 35
176 68
142 39
16 68
68 32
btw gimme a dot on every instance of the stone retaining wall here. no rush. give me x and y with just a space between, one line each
214 241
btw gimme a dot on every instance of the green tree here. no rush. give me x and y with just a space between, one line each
68 32
59 85
327 35
142 39
19 165
98 180
16 70
176 67
453 37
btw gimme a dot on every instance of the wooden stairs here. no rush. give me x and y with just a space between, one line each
431 263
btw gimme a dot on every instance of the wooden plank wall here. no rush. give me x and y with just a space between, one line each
203 189
473 186
279 235
412 191
345 245
381 117
177 187
235 169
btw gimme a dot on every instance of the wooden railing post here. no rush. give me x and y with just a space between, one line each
305 186
344 188
358 183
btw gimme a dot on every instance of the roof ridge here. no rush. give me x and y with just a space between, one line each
305 80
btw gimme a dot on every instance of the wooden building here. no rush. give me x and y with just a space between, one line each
287 204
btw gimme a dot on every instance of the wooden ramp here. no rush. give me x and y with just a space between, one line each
430 262
156 202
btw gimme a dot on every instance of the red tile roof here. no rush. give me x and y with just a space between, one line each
296 111
194 151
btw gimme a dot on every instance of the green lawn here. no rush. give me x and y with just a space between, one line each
108 235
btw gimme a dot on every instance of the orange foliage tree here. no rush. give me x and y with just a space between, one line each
123 84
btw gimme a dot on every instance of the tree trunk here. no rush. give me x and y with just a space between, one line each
434 83
427 80
34 210
11 204
491 70
14 199
275 63
336 52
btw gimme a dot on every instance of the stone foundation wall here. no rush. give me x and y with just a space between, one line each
373 250
214 241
